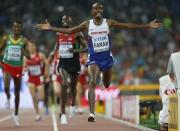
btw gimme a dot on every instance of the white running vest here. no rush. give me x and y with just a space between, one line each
99 36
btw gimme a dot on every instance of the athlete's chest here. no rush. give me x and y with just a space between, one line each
14 42
98 31
99 39
13 50
14 47
35 60
66 39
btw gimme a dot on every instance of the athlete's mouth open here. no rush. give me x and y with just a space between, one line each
98 14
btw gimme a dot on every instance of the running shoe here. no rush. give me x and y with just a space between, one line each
101 84
91 118
16 120
63 119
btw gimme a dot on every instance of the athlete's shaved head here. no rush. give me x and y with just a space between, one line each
17 27
97 10
66 20
97 4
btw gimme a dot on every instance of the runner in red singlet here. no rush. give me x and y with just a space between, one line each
68 46
37 70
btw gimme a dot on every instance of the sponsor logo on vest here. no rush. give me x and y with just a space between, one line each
170 91
101 32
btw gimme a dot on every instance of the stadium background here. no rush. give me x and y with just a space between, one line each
141 56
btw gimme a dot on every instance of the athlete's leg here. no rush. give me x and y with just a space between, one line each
40 94
107 77
40 91
56 93
52 94
46 96
63 93
56 87
93 72
34 96
17 84
7 78
73 83
74 80
78 95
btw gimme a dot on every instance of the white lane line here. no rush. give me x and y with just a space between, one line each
6 118
55 127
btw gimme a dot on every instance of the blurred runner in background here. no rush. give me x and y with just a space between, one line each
37 70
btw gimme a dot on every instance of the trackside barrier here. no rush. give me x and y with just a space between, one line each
125 108
173 113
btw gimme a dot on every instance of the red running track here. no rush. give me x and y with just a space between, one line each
77 123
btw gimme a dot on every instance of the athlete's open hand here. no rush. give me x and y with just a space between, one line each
155 24
45 26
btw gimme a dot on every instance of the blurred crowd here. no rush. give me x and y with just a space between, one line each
141 56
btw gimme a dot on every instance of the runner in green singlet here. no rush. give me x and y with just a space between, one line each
14 46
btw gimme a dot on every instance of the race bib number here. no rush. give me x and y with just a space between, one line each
100 44
35 70
14 53
63 51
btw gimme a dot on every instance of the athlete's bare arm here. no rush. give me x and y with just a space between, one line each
46 26
81 40
3 44
45 61
55 50
25 65
116 24
25 49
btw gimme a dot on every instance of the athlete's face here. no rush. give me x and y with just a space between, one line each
97 11
66 21
17 28
31 48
